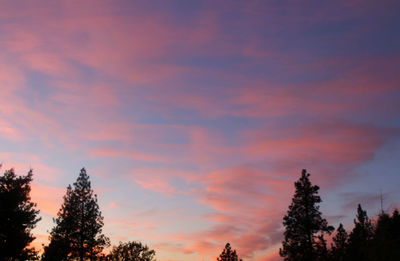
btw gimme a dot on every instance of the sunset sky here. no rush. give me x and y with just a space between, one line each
193 119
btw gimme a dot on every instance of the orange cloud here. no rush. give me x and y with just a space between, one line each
40 194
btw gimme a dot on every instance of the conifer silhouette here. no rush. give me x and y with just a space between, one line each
228 254
304 225
78 229
18 216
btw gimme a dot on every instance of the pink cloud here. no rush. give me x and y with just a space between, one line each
248 205
50 64
324 144
251 199
157 185
10 132
272 257
159 179
23 162
108 132
206 146
47 204
102 66
127 154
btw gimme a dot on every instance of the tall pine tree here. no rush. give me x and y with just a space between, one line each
18 216
78 229
304 224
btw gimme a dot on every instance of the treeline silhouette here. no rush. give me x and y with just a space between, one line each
306 232
77 233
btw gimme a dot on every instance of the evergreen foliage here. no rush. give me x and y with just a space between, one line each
385 244
304 225
77 234
339 246
366 241
131 251
228 254
78 229
18 216
321 250
360 236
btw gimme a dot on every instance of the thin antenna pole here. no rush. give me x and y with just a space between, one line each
381 202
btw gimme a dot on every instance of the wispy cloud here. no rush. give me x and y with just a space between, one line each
203 112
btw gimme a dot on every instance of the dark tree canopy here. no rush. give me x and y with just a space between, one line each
360 236
131 251
18 216
228 254
366 241
304 225
339 246
321 250
78 229
385 244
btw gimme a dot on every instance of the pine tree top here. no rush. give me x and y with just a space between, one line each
304 225
79 222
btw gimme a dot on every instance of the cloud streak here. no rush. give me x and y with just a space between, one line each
206 111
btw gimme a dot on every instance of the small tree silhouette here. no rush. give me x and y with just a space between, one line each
360 236
131 251
339 246
228 254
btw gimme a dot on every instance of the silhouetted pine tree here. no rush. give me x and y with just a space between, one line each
18 216
303 223
78 229
360 236
385 244
339 246
228 254
131 251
